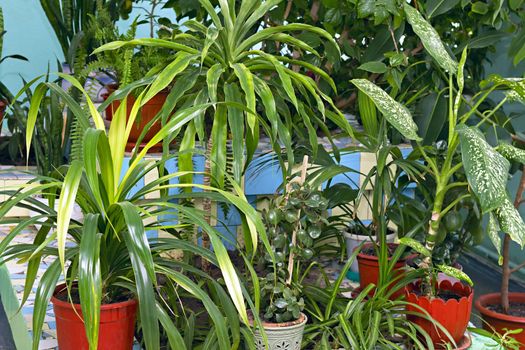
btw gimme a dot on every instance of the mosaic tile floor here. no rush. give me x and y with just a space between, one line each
17 273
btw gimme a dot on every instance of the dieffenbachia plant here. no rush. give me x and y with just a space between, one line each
486 169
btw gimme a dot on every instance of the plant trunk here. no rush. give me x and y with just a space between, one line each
505 279
206 205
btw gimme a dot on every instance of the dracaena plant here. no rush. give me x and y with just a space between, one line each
226 62
109 253
486 170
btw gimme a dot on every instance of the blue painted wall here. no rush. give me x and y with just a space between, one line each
30 34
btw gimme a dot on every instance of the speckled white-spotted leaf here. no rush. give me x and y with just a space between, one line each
493 232
430 39
486 169
395 113
513 96
456 273
512 153
511 222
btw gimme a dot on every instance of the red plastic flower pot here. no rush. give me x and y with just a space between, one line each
452 314
499 321
117 325
369 268
147 113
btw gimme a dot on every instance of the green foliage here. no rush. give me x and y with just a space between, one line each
485 169
369 32
294 222
110 254
228 59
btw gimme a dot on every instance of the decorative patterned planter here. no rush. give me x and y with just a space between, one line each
501 321
452 314
282 336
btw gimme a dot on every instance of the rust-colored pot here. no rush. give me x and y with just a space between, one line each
369 268
117 324
146 115
3 106
501 321
453 315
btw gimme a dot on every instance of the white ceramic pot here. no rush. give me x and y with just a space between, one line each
288 336
76 215
353 241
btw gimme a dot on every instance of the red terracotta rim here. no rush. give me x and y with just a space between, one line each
375 258
466 292
103 307
494 299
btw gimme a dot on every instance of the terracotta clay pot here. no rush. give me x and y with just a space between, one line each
117 325
452 314
145 115
369 268
3 106
501 321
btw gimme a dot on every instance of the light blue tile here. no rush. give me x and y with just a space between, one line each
351 178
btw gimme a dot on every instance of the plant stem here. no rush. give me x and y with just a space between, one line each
301 181
505 279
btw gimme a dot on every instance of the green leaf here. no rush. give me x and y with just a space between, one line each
439 7
480 8
493 232
511 222
167 75
430 39
47 285
144 272
486 169
246 81
236 122
89 279
394 112
456 273
374 67
511 153
218 150
65 206
212 78
417 246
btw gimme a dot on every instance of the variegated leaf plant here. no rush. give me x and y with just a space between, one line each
487 170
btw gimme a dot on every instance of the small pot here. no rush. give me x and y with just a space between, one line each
369 268
353 241
286 335
452 314
501 321
117 324
146 114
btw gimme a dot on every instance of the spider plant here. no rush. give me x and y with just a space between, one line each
108 253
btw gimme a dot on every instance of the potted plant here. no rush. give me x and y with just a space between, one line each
294 221
486 172
108 263
501 311
123 67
